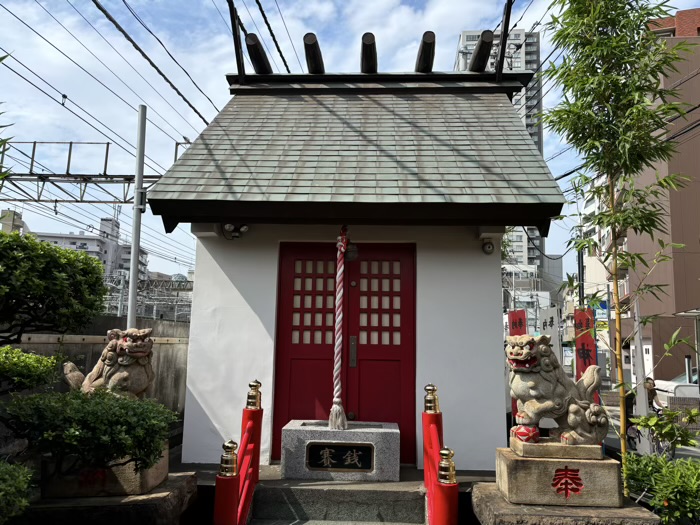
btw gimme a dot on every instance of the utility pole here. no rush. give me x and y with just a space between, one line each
139 208
641 400
120 304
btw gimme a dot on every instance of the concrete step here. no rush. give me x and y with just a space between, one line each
283 502
314 522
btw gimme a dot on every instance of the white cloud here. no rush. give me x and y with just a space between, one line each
197 36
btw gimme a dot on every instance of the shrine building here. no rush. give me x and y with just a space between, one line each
426 170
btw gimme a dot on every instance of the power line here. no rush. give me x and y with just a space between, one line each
519 19
113 73
76 63
540 249
146 57
272 34
260 33
228 28
132 67
558 153
167 240
290 36
140 21
80 117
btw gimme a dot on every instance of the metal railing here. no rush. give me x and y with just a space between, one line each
438 467
239 472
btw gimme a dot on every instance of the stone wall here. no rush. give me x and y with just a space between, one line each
169 353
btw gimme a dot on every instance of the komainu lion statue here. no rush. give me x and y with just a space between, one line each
123 368
538 383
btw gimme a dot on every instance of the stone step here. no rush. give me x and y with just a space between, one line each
283 502
315 522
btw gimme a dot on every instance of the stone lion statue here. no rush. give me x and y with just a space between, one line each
538 383
124 366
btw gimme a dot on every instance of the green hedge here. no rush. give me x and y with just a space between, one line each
95 429
672 487
26 370
14 490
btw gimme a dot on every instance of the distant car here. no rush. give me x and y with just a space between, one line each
678 386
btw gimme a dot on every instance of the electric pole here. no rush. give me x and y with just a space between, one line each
139 208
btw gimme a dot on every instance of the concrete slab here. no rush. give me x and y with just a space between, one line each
492 509
304 442
163 506
552 448
562 482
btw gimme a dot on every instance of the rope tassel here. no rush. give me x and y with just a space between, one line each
337 419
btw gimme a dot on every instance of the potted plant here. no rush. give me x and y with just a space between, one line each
94 444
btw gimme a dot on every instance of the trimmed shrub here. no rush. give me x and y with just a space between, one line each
14 490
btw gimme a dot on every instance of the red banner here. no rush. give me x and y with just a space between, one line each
517 325
517 322
586 354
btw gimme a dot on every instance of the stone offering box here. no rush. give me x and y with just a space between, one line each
363 452
549 473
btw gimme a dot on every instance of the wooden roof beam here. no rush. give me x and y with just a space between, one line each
257 55
368 56
314 59
482 52
426 53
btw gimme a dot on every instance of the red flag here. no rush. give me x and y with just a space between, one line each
517 325
586 354
517 322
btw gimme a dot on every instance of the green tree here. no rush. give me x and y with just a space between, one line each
45 288
613 106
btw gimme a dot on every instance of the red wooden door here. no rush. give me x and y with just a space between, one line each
379 353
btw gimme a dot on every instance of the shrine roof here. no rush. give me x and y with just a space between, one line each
444 151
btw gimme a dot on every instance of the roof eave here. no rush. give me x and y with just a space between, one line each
174 212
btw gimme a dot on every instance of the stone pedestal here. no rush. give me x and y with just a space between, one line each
492 509
162 506
114 481
363 452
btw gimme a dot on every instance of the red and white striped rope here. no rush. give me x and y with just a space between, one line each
337 357
337 419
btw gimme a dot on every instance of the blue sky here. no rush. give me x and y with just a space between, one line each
197 36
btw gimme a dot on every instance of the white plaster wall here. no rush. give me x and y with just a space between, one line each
458 330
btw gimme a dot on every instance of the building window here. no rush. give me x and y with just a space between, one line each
72 243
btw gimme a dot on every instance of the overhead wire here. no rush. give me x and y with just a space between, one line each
46 211
113 73
77 64
63 104
168 241
290 36
228 27
261 37
272 34
156 91
140 21
145 56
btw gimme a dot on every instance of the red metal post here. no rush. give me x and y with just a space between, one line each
445 504
226 500
227 487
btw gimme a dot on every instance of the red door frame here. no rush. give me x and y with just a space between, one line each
320 356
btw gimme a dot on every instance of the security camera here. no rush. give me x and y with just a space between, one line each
487 246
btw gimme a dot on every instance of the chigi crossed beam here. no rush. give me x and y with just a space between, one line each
30 180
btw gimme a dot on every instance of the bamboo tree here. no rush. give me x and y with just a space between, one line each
613 108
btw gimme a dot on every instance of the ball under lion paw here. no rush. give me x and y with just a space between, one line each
526 433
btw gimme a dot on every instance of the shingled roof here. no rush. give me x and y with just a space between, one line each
447 152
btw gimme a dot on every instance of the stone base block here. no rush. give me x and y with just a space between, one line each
562 482
363 452
492 509
163 506
113 481
552 448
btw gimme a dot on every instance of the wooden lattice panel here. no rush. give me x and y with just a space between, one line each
313 302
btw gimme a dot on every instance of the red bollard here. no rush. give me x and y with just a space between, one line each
227 487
